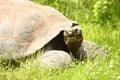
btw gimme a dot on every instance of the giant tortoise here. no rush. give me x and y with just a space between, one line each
26 27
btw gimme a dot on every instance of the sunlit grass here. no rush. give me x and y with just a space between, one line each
99 69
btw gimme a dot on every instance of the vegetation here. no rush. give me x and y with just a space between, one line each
100 21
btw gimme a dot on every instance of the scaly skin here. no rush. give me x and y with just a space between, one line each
90 50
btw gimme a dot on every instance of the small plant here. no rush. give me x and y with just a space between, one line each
101 11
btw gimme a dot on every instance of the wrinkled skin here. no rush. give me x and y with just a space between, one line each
90 50
54 58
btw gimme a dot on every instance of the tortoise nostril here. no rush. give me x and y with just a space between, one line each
76 30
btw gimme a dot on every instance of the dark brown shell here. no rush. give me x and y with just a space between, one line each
26 27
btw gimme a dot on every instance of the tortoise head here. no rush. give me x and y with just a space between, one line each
73 37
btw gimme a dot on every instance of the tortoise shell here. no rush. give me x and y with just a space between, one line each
26 27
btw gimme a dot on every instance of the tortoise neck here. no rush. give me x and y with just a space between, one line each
74 47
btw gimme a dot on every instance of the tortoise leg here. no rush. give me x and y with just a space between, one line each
56 58
56 53
90 50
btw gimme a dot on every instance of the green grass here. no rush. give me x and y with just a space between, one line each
99 69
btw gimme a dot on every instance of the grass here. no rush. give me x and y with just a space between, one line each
99 69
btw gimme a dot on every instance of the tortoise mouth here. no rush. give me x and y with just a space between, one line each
73 36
